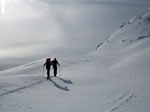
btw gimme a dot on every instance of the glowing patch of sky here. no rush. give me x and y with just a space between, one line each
3 2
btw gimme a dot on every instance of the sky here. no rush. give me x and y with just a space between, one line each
34 29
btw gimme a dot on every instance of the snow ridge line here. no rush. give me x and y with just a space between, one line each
123 100
24 87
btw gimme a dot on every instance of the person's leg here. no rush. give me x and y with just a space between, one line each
55 71
48 73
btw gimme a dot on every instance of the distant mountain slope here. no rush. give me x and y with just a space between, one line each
133 35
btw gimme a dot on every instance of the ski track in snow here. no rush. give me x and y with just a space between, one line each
121 100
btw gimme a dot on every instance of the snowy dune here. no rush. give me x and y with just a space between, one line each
114 78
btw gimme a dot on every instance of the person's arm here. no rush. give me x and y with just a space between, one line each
44 64
51 63
58 63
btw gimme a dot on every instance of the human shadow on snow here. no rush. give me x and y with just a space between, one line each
37 83
65 80
59 86
22 88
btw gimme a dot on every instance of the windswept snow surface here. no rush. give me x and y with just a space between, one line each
114 78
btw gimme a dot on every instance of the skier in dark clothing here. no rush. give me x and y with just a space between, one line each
48 64
55 63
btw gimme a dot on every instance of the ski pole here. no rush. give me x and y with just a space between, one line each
60 71
43 71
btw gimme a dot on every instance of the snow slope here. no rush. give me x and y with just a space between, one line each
114 78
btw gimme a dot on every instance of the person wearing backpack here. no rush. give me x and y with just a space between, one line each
55 63
48 64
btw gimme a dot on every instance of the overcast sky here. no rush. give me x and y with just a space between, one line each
41 28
